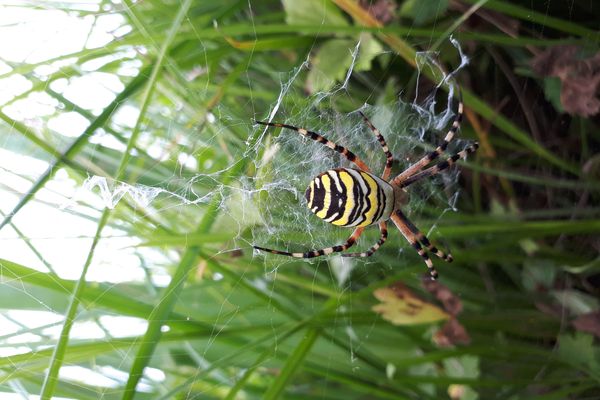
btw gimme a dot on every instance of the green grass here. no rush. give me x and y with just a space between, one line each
228 324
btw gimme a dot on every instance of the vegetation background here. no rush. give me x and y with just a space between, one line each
515 317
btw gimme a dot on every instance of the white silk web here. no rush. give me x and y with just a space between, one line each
269 209
286 162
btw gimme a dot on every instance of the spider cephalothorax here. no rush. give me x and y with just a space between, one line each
354 197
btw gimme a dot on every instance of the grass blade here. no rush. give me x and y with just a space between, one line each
293 363
56 361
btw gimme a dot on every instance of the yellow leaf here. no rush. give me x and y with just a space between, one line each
401 307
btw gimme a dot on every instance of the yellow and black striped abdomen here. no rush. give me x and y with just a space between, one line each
350 197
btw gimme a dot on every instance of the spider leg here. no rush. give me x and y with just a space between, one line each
400 220
316 253
422 163
322 139
420 237
436 169
376 246
384 146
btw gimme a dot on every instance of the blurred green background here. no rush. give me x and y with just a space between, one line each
161 296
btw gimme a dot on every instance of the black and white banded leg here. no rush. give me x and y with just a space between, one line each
322 139
410 237
436 169
421 238
388 154
382 238
422 163
322 252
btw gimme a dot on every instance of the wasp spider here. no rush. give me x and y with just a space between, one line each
354 197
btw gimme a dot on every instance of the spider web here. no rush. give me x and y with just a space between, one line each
272 203
286 161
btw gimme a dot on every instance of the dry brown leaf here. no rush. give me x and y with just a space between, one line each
580 78
383 10
400 306
449 300
452 333
589 322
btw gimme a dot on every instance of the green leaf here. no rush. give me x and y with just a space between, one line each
462 367
159 315
335 57
329 65
552 86
423 11
576 302
368 50
579 351
293 363
313 12
539 273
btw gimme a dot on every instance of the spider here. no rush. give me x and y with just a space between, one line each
354 197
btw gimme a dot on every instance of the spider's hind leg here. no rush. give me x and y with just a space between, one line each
431 248
418 240
376 246
321 252
421 238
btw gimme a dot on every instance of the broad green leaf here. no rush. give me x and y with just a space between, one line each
539 273
579 351
575 301
335 57
313 12
329 64
368 50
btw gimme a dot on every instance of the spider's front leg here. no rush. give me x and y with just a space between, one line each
440 167
322 139
388 154
428 158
